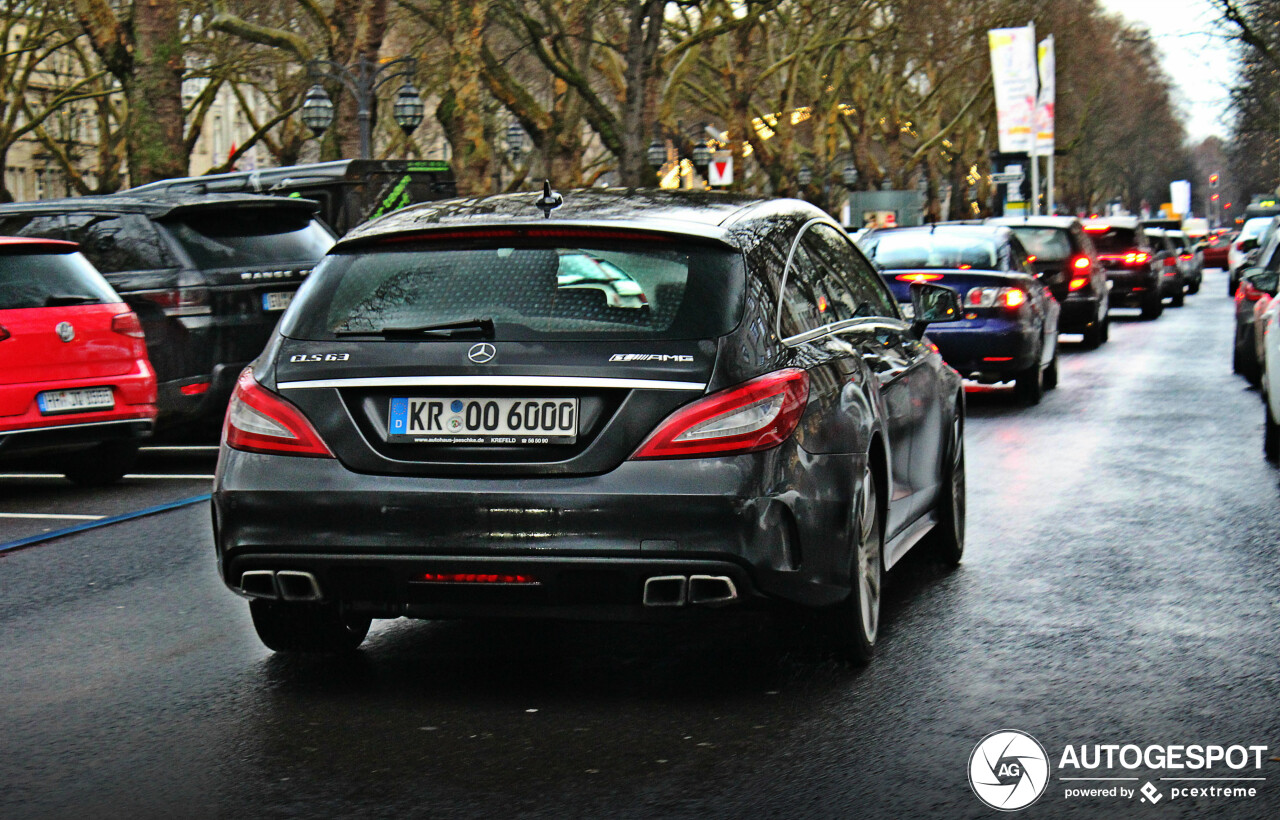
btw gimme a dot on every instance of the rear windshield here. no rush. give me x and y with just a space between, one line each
1115 240
1046 244
250 237
918 249
529 293
30 280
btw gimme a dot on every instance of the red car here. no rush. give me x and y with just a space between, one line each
75 382
1215 247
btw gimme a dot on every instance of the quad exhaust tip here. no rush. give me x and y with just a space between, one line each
285 585
697 590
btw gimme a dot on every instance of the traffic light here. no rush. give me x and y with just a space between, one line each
1213 197
1213 180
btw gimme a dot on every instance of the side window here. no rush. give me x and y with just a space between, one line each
851 287
44 226
119 242
1018 257
1269 256
800 302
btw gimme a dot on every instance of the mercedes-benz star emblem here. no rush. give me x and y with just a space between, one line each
65 331
482 353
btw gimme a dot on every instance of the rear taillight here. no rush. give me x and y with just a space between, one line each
918 277
757 415
1135 259
1012 298
475 578
1078 283
1248 293
1081 263
1170 262
189 298
127 324
1186 257
262 422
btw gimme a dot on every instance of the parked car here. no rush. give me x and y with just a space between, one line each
449 423
1253 296
348 191
1270 380
75 384
1126 254
1164 258
1190 260
207 275
1009 331
1249 240
1065 259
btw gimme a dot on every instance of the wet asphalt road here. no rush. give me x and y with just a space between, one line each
1120 586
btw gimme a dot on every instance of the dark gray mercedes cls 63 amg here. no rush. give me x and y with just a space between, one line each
608 405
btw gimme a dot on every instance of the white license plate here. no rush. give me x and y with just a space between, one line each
276 301
74 401
483 421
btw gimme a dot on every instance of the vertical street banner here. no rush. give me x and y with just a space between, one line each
1045 103
1013 71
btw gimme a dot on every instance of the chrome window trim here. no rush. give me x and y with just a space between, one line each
860 323
493 381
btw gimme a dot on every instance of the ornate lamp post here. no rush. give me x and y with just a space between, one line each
363 81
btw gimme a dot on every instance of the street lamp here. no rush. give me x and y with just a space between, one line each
804 176
515 141
849 176
363 81
657 153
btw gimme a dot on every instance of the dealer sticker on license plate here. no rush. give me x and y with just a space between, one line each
483 421
75 401
276 301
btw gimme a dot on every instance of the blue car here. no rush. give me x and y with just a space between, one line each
1009 332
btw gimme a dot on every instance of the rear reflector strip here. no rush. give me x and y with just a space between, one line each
474 578
495 381
194 389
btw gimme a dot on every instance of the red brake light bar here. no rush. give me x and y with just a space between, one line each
1077 283
1096 227
918 277
475 578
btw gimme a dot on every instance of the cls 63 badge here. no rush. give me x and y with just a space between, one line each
320 357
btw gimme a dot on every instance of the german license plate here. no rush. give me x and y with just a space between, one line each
483 421
276 301
75 401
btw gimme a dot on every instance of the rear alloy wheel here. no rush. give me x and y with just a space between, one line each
855 622
307 627
1270 434
101 464
946 540
1029 384
1152 305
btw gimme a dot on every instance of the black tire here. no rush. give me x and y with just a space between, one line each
1106 328
1243 359
101 464
1029 384
1270 434
1051 372
1152 304
1095 335
854 623
946 540
1194 287
1179 298
306 627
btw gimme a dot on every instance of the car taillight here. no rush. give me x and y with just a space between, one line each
1135 259
1081 263
1248 293
1011 298
189 298
127 324
475 578
918 277
753 416
1170 262
259 421
1078 283
1186 257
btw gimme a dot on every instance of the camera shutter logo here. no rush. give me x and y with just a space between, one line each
482 353
1008 770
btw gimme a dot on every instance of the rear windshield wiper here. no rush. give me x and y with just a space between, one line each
465 329
63 299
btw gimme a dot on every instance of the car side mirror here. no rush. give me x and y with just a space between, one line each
932 303
1249 244
1262 279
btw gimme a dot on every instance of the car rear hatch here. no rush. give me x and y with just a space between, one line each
251 258
510 352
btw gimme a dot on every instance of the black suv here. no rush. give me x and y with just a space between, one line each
208 276
1066 260
1130 261
645 403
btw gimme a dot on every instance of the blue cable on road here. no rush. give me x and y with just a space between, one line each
115 519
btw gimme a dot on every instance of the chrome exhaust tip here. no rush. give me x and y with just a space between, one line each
711 590
259 583
298 586
665 590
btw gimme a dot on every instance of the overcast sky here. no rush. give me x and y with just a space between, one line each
1200 63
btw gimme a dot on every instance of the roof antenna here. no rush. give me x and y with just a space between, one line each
549 201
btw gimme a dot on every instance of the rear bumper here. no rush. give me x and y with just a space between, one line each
996 348
1130 286
367 538
1079 313
74 436
134 394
